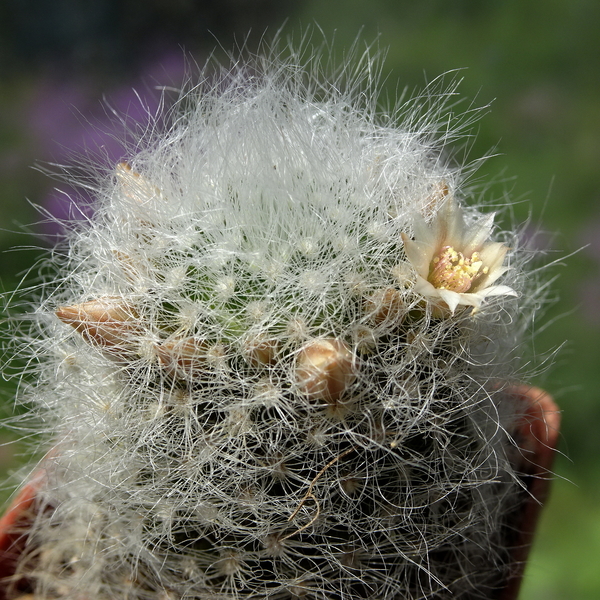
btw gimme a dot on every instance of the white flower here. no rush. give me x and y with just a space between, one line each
455 263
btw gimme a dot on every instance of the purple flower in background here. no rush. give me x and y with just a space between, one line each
62 136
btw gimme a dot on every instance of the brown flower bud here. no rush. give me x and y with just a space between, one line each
134 186
435 198
183 358
325 368
384 305
108 322
132 268
260 350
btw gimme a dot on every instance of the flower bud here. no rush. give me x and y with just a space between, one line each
325 368
108 322
134 186
183 358
260 350
384 305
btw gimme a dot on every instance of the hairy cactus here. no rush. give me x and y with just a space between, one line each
276 360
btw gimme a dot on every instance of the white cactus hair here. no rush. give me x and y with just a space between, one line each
248 399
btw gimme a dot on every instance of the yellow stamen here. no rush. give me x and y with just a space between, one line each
451 270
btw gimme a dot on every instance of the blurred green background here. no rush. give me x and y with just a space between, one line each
536 61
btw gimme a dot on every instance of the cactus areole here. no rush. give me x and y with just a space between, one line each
276 361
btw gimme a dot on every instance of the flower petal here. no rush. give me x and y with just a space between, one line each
493 254
477 234
489 279
419 254
449 225
453 299
498 290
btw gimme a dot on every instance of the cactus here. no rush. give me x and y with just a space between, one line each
276 361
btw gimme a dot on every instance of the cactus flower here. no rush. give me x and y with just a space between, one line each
455 263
